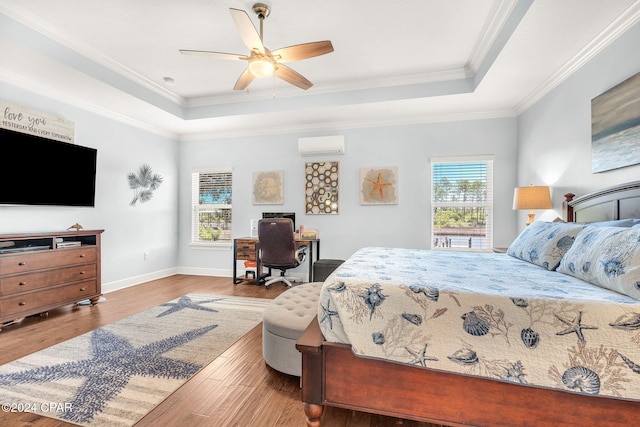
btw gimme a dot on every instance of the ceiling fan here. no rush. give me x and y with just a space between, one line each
261 61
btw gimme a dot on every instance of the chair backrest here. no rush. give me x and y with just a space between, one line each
277 242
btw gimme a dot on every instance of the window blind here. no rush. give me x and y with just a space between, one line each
462 203
211 201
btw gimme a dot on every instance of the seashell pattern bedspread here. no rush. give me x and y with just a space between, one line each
484 314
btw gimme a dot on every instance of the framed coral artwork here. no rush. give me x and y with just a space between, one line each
379 186
268 188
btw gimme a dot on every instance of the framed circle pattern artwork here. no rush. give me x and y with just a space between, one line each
321 188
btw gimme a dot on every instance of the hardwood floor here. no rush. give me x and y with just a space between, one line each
236 389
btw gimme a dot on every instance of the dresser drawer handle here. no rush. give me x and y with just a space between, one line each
22 283
22 263
83 289
22 303
83 272
82 255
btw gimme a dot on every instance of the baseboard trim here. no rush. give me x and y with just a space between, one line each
136 280
191 271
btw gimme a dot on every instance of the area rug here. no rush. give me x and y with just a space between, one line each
115 375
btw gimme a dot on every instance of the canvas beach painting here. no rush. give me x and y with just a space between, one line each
615 127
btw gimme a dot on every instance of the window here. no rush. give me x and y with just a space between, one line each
462 203
211 206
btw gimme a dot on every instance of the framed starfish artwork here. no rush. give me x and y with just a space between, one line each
268 188
379 186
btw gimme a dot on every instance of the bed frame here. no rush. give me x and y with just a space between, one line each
333 376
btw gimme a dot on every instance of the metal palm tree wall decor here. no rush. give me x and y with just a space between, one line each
143 184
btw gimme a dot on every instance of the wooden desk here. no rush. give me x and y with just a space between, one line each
246 249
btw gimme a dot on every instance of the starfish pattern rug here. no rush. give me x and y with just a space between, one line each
116 374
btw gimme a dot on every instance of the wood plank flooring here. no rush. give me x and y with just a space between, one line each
236 389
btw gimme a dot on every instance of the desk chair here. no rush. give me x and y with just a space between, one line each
278 248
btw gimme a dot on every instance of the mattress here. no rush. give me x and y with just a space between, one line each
486 315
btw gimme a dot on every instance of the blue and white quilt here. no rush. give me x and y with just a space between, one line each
486 315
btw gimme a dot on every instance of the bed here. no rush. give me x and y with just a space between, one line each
455 382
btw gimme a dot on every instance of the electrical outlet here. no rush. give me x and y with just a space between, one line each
146 256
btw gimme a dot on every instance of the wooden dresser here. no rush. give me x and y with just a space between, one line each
42 271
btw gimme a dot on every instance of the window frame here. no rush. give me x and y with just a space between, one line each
488 204
196 208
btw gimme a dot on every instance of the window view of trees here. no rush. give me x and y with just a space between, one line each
461 205
464 191
215 226
214 206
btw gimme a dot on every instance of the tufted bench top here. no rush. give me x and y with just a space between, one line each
289 314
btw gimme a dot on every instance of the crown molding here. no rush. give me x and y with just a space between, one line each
501 12
626 20
32 22
64 97
339 87
503 8
352 124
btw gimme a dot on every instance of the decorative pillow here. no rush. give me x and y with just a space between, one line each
608 257
544 243
630 222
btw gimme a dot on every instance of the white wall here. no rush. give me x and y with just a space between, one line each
404 225
555 134
549 143
161 226
129 231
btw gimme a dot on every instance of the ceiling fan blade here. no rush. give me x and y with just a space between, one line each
291 76
248 32
244 80
218 55
302 51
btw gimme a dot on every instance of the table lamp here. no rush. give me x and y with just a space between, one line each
531 197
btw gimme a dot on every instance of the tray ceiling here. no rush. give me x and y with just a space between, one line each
394 62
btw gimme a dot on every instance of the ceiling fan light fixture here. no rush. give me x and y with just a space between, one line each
261 67
262 62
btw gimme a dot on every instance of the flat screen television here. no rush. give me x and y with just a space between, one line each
41 171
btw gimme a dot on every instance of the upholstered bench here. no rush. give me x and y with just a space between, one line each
283 322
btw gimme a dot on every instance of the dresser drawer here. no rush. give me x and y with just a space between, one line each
46 259
246 250
46 299
247 255
30 281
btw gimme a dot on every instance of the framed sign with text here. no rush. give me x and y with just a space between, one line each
22 119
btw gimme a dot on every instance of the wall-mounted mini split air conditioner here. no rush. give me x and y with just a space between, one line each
321 145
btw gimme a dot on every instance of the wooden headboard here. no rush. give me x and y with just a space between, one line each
617 202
